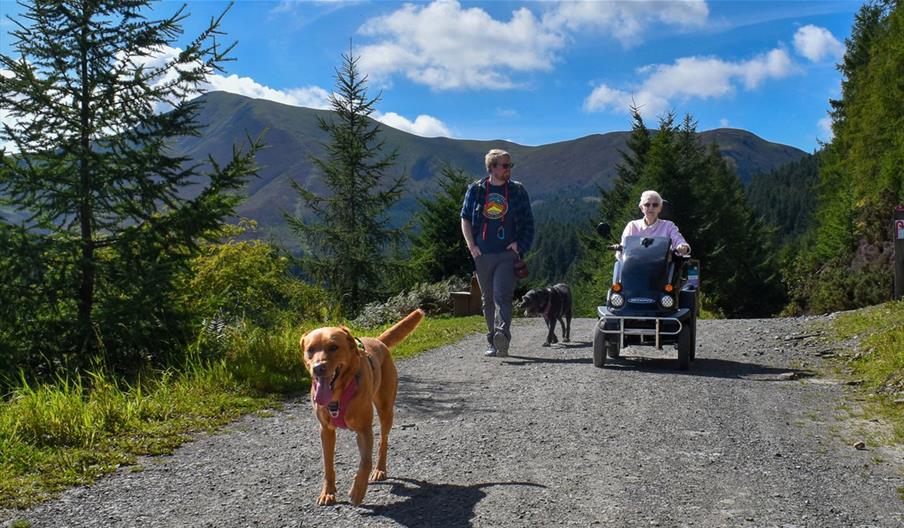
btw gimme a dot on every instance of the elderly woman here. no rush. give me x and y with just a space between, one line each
652 225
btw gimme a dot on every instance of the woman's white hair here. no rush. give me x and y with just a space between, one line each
650 195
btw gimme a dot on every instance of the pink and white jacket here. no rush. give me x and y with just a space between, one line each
662 228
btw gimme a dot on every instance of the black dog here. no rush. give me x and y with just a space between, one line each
555 305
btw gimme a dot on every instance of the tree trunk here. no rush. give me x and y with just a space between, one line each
86 264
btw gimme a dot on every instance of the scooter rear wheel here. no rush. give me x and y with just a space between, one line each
685 342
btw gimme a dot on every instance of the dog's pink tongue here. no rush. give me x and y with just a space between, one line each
322 392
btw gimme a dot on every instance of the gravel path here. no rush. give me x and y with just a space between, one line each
543 438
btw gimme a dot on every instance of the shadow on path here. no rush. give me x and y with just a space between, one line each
571 344
440 505
527 360
421 397
710 368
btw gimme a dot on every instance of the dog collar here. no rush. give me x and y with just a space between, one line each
337 408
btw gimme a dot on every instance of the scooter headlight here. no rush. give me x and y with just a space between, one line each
616 300
667 301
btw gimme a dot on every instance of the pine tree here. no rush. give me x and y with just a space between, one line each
738 251
593 270
91 171
628 172
439 250
345 239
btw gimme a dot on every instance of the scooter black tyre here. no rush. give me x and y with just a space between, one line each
599 345
685 342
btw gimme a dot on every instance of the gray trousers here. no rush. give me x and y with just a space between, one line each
496 276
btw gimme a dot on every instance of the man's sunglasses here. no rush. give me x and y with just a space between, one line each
505 165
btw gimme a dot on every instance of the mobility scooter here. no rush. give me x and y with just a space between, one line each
653 300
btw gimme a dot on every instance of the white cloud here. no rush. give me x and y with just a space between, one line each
723 123
309 96
446 46
423 125
825 127
626 21
316 97
5 117
603 96
816 43
690 78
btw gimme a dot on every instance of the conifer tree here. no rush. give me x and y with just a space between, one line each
628 171
105 221
593 270
345 239
439 250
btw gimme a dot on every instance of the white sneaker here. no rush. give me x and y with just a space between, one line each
501 341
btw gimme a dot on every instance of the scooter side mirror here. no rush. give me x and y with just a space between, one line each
603 229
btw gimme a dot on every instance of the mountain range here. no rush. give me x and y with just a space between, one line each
575 168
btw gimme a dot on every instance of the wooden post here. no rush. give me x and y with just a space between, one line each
899 251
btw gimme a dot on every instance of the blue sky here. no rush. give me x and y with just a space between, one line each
541 72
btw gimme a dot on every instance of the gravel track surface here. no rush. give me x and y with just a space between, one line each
746 437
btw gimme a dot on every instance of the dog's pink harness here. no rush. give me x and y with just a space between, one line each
337 408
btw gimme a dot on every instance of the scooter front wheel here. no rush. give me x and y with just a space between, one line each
599 347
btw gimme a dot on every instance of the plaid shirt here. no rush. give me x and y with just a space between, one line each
519 202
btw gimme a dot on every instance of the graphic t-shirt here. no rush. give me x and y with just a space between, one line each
499 227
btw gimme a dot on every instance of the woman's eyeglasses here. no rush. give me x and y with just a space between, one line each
506 165
651 205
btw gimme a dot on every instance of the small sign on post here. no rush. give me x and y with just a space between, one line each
899 251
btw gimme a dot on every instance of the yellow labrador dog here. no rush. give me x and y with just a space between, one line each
349 377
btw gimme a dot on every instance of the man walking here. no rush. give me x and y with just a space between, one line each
498 226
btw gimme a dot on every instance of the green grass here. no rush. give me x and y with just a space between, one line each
879 359
70 432
58 435
433 332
